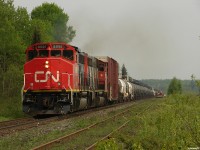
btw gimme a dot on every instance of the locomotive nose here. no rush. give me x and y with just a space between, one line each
44 75
50 74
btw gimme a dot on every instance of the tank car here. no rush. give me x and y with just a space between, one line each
122 89
126 89
142 90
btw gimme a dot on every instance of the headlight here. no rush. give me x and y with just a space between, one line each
46 66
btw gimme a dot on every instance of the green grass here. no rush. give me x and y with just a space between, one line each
36 136
171 123
10 108
174 123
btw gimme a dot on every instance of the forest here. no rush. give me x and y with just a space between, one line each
19 29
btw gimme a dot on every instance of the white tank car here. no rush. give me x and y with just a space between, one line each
130 90
122 89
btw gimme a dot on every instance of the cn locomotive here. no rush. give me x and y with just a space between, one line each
59 78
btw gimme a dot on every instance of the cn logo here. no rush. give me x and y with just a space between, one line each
48 74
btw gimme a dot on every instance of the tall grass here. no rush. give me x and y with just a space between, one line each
10 108
172 124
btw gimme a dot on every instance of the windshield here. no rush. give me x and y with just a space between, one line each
43 53
56 53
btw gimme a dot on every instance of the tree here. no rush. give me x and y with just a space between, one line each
36 36
197 82
13 40
22 23
58 20
175 87
41 31
192 82
124 72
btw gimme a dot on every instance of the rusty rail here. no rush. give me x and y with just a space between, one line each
91 147
71 135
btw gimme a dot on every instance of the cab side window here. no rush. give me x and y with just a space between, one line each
101 67
68 54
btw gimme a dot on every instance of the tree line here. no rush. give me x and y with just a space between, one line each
19 29
169 86
184 86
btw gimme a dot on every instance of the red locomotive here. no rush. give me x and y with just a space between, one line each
159 93
59 78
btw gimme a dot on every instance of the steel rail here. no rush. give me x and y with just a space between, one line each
25 124
91 147
4 123
11 126
71 135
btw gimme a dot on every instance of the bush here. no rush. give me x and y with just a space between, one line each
175 87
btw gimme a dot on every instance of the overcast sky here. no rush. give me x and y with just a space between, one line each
155 39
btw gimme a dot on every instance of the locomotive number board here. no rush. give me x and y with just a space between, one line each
42 46
57 46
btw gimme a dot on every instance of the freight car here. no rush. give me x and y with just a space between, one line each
59 78
131 89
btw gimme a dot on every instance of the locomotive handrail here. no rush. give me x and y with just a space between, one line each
72 101
22 90
25 80
25 75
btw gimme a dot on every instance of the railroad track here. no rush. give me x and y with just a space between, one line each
13 122
8 127
12 126
92 146
90 127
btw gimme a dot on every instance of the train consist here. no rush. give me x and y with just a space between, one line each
59 78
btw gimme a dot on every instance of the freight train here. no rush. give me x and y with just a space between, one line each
59 78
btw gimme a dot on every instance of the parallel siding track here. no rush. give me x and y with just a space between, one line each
81 131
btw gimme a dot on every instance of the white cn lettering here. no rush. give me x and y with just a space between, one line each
47 75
